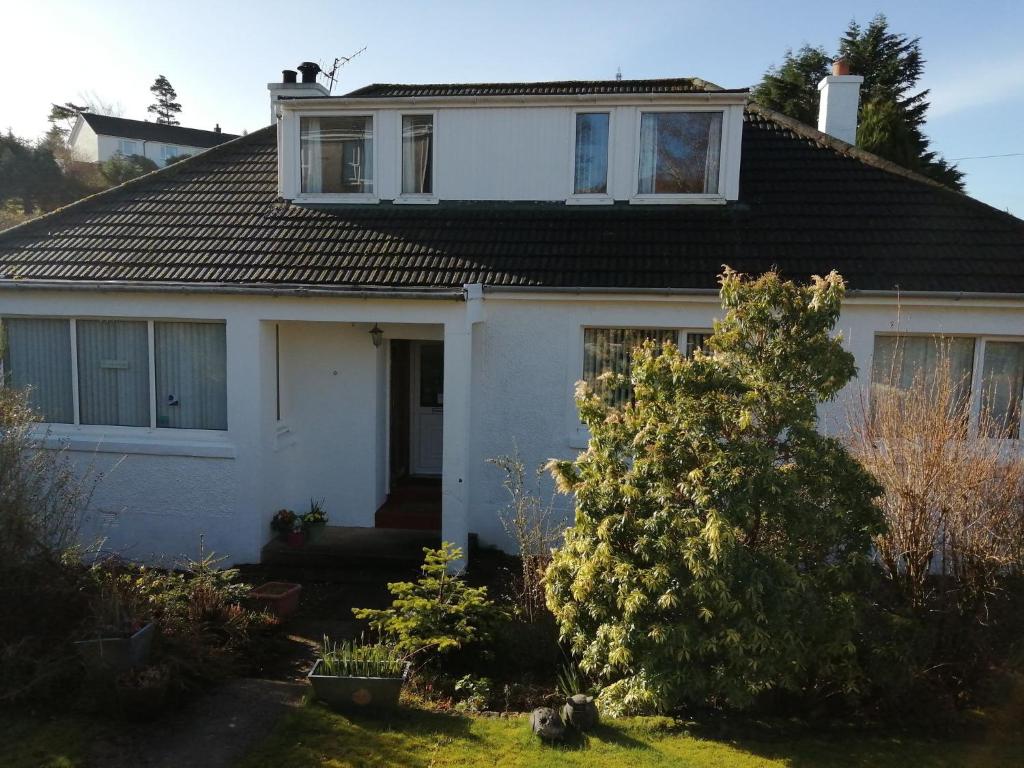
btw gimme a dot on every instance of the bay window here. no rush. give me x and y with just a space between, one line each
417 154
336 154
129 373
680 153
610 350
591 156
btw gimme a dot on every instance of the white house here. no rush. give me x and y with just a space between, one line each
384 289
96 138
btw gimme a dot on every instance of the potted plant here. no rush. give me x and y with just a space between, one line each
283 522
358 675
119 640
315 520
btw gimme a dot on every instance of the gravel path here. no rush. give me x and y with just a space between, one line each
214 731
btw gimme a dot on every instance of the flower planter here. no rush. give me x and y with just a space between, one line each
116 655
357 692
280 598
315 531
295 539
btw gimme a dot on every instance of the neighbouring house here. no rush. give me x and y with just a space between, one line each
367 299
96 138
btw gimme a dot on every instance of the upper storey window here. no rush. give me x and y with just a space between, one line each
337 154
591 175
417 154
680 153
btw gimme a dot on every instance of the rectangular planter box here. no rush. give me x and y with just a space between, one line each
281 598
357 692
115 655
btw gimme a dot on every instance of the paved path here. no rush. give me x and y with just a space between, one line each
213 731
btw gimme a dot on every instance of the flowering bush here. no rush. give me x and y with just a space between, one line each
283 521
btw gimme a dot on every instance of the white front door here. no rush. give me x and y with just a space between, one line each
427 397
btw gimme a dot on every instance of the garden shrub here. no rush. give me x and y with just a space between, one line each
720 541
438 613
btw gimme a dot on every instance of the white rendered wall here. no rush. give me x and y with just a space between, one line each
84 143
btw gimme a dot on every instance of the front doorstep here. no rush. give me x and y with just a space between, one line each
357 692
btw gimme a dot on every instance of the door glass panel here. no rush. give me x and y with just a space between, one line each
431 375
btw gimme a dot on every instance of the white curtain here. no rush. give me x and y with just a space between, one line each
113 372
417 152
714 153
1002 386
899 360
591 172
191 375
648 153
37 355
311 152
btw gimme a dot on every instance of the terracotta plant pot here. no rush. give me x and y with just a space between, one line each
296 539
280 598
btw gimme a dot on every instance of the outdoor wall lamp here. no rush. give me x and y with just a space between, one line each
377 335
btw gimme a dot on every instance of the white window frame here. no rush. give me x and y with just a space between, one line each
417 198
724 160
605 198
293 134
977 368
167 151
77 425
121 143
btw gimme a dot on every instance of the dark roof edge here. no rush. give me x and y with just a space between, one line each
167 171
162 126
265 289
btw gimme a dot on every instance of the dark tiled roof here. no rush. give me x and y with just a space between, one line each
552 88
142 130
807 205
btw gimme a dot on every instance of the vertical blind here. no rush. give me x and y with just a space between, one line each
900 360
37 355
611 350
113 372
191 375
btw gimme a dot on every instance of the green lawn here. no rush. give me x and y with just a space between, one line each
315 736
46 743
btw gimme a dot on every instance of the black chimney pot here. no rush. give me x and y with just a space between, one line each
309 70
288 75
216 128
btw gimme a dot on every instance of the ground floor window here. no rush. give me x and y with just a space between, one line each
611 350
133 373
987 372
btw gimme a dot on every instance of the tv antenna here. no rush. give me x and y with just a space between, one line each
339 62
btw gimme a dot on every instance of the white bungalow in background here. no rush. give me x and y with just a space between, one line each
369 298
96 138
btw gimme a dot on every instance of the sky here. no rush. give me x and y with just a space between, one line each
220 55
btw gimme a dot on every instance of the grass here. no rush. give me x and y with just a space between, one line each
316 736
34 743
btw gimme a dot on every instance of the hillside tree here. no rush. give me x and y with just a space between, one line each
165 107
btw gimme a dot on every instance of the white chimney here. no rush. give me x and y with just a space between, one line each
840 98
289 89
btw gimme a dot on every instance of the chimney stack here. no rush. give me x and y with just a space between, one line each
840 100
216 128
289 88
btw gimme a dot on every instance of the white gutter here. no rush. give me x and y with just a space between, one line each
300 104
119 286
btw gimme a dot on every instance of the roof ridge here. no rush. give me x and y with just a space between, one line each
166 172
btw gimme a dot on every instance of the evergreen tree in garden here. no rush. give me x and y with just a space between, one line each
720 540
892 116
165 107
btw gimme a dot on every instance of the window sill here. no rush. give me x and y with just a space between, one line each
206 444
333 199
677 200
416 200
589 200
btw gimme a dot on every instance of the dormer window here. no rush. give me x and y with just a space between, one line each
417 154
336 154
591 158
680 153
